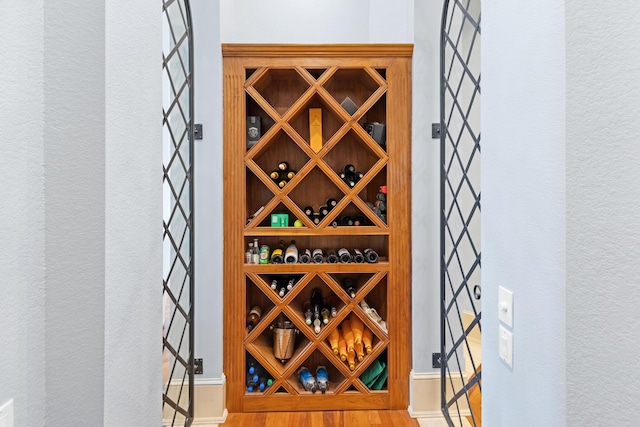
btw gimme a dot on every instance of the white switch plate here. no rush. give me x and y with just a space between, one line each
506 346
6 414
505 306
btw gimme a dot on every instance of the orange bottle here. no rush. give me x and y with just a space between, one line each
367 340
359 351
357 326
334 337
351 358
342 348
348 335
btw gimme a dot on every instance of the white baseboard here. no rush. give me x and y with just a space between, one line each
209 402
425 395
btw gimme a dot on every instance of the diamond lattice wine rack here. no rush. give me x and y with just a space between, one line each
317 156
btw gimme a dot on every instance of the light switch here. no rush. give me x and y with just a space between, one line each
6 414
505 306
506 346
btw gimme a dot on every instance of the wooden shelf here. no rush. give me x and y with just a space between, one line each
279 84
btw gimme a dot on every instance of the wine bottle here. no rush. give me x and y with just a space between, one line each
359 349
252 365
308 313
325 313
333 338
358 257
332 256
290 174
367 339
342 175
255 255
252 383
316 303
347 220
348 335
349 169
275 175
370 255
342 347
357 326
290 283
334 223
316 218
323 210
277 256
331 203
322 378
333 302
282 183
274 284
318 256
248 255
349 286
283 291
307 380
344 255
351 359
305 257
283 166
262 383
308 211
253 317
358 220
291 254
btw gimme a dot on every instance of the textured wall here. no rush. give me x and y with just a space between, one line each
22 212
133 210
603 201
81 149
523 210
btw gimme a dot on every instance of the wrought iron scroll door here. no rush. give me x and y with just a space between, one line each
178 281
460 212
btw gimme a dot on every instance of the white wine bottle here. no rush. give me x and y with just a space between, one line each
344 255
318 256
291 254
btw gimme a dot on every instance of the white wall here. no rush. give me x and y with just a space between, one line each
523 210
603 201
22 212
80 131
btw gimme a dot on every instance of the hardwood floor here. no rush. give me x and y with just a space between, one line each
322 419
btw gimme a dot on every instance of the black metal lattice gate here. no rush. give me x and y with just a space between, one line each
178 281
460 212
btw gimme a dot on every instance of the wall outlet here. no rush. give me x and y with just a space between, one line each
6 414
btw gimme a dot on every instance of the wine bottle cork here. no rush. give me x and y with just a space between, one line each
351 359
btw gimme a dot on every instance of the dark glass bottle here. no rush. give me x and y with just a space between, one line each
318 256
331 203
308 211
347 220
317 305
344 255
333 302
323 210
305 257
253 317
277 256
358 220
358 256
349 286
370 255
332 256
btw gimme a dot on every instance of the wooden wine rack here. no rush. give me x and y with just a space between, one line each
280 83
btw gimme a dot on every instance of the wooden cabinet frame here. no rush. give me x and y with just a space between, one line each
281 82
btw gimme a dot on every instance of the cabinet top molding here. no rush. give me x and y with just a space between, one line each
347 50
